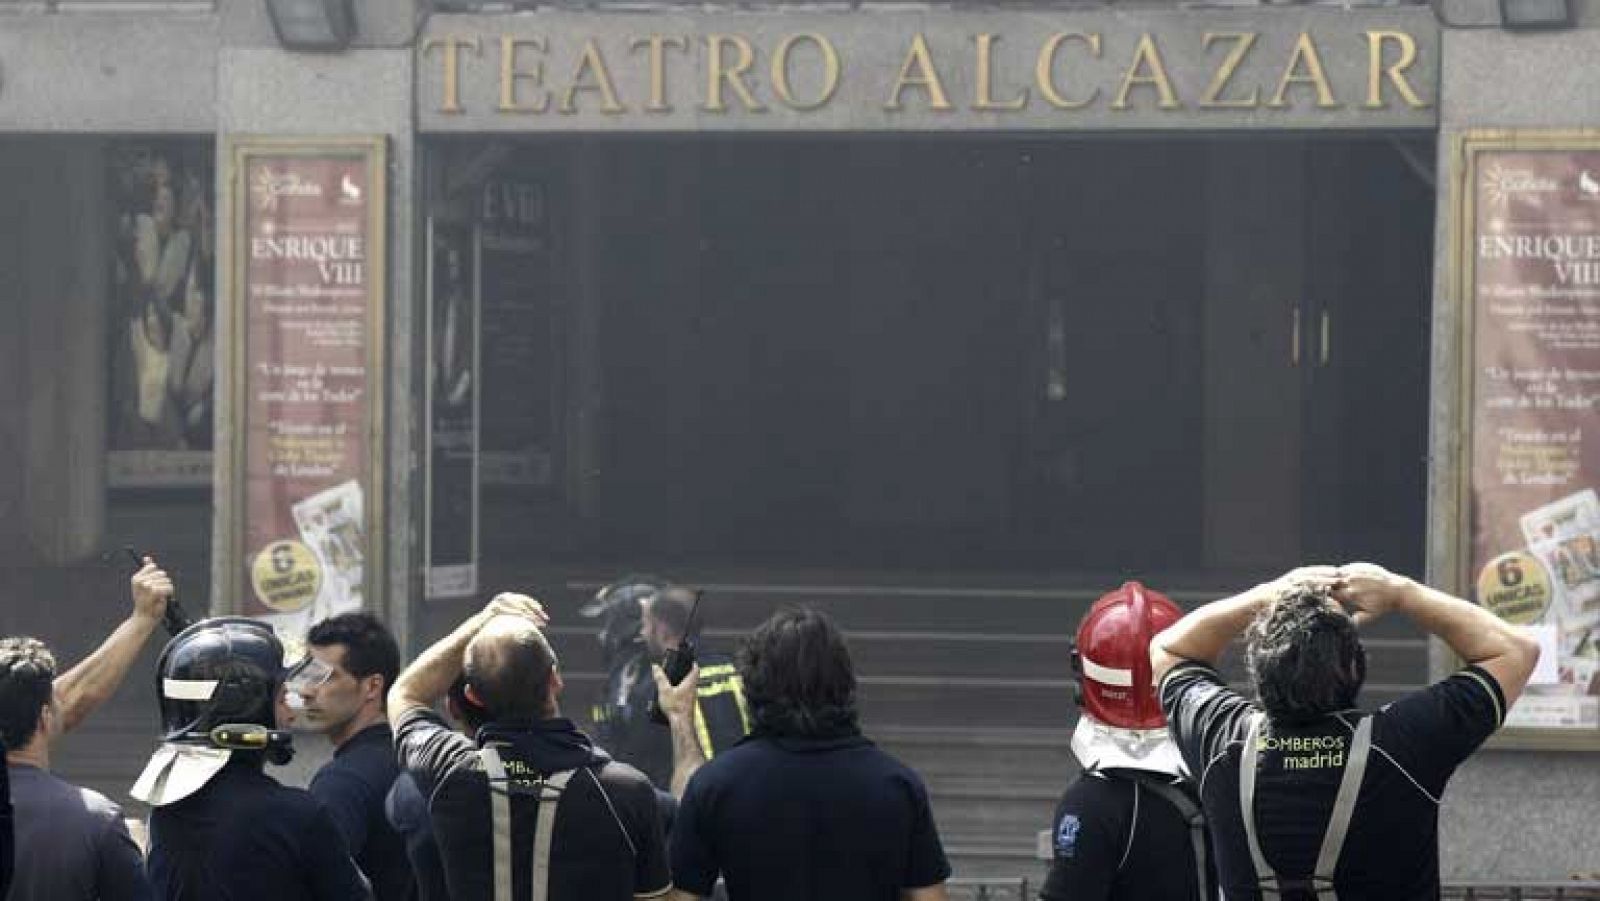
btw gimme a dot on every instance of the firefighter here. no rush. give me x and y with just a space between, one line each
645 622
221 827
1129 828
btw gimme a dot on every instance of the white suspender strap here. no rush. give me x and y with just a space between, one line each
1266 878
549 799
500 811
549 802
1344 807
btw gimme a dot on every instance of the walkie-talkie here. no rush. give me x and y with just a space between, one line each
677 662
174 619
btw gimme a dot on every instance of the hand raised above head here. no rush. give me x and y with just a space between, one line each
152 589
1318 576
510 603
1369 590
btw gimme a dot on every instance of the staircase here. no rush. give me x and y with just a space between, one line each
968 683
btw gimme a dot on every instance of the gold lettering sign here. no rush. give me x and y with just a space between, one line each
1044 72
1305 54
733 76
926 77
1242 42
452 68
985 99
1394 72
659 44
511 76
592 76
1147 69
804 72
780 71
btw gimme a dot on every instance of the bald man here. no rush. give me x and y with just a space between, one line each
531 801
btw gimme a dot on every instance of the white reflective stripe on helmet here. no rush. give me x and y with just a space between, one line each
1106 675
189 689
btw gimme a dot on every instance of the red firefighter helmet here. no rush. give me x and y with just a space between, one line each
1112 657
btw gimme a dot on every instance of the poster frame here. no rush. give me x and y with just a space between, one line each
1465 150
163 473
469 570
371 150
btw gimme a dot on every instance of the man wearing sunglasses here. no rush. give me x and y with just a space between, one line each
352 661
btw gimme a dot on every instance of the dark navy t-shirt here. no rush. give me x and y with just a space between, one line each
1115 839
806 820
244 837
407 810
352 788
5 825
71 844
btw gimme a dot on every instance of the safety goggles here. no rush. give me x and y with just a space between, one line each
310 673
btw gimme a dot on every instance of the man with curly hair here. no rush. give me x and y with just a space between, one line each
806 808
1308 797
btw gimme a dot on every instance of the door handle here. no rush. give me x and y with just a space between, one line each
1294 339
1326 338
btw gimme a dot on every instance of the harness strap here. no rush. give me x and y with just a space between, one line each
1344 805
1266 878
1320 883
545 834
500 812
1194 816
551 790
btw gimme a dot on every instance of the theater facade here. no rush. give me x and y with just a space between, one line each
947 318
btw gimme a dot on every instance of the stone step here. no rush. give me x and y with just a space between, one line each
996 868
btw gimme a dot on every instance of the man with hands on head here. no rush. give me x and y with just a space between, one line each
1307 796
531 808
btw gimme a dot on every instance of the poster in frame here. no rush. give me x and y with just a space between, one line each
1525 265
306 265
452 396
161 356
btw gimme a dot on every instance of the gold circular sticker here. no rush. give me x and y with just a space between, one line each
1515 587
286 576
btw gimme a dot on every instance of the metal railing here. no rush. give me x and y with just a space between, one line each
501 6
1570 890
1016 889
980 889
108 6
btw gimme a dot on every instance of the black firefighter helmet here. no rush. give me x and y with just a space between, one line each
619 608
222 672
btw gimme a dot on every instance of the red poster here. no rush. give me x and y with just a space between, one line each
309 281
1535 380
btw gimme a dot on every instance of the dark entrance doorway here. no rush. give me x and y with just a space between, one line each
950 390
975 355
